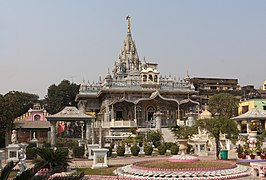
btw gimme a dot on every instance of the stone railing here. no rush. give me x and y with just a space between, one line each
122 123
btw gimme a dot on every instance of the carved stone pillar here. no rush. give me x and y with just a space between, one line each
88 130
53 132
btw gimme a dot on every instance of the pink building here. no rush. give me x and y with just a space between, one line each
34 121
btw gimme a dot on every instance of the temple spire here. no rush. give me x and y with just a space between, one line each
128 24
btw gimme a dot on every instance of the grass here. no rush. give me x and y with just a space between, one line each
181 165
102 172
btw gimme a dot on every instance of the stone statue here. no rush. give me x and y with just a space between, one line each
21 160
14 137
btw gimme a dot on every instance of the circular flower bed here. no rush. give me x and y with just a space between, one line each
164 165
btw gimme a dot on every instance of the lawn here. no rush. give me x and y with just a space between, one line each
181 165
102 172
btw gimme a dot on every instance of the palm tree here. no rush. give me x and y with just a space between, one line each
56 160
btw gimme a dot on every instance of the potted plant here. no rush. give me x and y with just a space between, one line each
263 155
252 152
182 134
240 151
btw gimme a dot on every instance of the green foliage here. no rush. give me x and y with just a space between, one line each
60 96
169 145
56 160
162 149
183 132
135 150
12 105
148 150
30 153
110 152
64 142
224 104
78 152
154 136
120 150
174 150
7 170
217 125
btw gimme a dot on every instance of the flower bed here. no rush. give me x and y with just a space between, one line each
164 165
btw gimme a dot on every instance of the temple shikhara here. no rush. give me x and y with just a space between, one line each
135 95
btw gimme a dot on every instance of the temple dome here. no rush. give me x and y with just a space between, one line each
205 114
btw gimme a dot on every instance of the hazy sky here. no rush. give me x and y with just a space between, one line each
44 42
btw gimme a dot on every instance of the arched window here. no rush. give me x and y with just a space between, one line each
155 78
144 78
150 77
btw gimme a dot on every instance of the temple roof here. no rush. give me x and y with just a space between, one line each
252 114
69 113
32 124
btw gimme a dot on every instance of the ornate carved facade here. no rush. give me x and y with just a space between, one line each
134 91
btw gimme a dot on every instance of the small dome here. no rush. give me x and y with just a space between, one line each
205 114
144 70
155 71
149 69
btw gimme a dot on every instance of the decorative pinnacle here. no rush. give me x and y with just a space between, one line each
128 24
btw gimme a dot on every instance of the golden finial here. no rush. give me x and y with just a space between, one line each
128 24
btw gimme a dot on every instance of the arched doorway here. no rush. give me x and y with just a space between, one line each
149 116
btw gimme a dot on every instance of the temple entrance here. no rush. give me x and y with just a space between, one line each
150 119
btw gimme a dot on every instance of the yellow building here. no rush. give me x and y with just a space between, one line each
245 106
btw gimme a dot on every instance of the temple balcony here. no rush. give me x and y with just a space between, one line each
120 124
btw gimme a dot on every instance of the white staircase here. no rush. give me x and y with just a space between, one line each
167 135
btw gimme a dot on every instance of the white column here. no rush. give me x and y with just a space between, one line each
135 114
239 125
248 126
82 130
88 129
1 155
92 132
53 133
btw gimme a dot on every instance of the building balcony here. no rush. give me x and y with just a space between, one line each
120 124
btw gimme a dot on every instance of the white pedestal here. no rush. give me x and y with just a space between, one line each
90 150
100 158
1 156
12 152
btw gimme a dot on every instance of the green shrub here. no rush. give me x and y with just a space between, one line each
120 150
63 149
162 149
169 145
190 149
135 150
174 150
148 150
110 152
78 152
30 153
157 144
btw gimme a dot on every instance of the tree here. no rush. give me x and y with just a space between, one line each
155 137
60 96
183 132
12 105
217 126
223 104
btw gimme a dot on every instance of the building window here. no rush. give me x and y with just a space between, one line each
264 108
144 78
244 109
155 78
150 78
37 117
